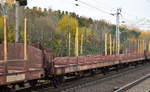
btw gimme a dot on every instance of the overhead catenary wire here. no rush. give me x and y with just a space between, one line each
139 23
91 6
103 4
138 19
103 11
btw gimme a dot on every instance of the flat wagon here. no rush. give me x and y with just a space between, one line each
16 69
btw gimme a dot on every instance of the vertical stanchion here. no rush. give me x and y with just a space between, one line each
110 39
17 21
25 39
113 48
119 45
85 41
132 42
143 46
129 46
81 47
5 44
105 43
138 45
116 51
5 39
69 45
149 46
76 42
135 46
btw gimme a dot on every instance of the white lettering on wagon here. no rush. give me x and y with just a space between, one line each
18 77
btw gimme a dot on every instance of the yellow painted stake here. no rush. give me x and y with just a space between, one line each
138 46
105 43
143 46
135 46
76 42
69 45
25 39
141 50
130 47
5 39
148 46
118 47
5 44
81 48
113 49
110 44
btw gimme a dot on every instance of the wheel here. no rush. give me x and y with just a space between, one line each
33 84
80 74
93 72
55 83
61 79
103 71
2 89
6 89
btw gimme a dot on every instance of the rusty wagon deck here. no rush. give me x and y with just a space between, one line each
64 65
16 69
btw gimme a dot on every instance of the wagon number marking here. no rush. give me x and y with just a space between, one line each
18 77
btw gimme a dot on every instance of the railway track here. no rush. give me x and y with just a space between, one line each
132 84
104 81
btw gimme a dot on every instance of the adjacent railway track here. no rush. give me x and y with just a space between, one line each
102 83
132 84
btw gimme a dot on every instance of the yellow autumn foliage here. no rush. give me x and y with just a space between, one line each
145 35
68 23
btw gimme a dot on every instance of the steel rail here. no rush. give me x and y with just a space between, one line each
132 84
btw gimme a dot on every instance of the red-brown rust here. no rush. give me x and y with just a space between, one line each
64 65
16 64
40 58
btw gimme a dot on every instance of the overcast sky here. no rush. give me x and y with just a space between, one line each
133 11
